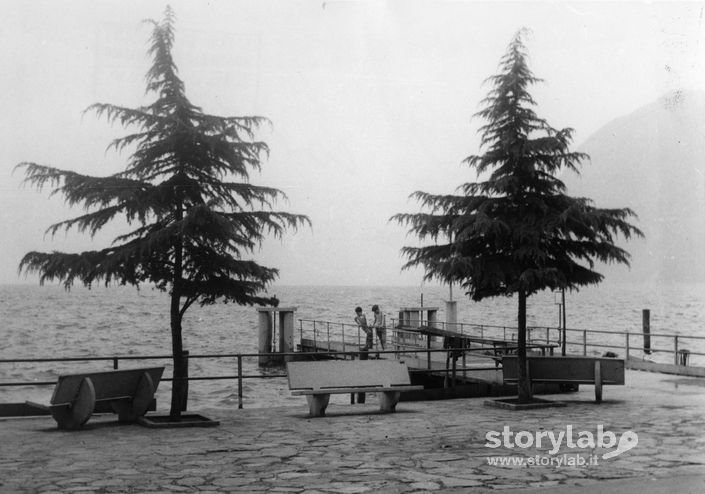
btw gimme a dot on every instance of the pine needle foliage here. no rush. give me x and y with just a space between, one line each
517 231
185 193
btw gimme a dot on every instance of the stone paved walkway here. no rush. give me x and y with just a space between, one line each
424 447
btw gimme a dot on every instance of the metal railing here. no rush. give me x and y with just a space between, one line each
240 376
669 348
405 343
332 336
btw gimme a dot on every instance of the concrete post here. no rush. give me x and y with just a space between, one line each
286 332
451 315
284 317
432 318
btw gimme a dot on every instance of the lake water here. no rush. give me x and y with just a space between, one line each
122 321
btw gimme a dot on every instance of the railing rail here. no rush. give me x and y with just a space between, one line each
240 357
676 349
585 341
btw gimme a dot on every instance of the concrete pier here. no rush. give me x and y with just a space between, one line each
276 333
423 447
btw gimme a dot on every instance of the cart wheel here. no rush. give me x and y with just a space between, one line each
131 410
76 414
143 395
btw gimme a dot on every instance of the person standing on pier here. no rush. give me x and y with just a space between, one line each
379 325
361 321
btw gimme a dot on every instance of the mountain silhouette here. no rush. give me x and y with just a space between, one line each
653 161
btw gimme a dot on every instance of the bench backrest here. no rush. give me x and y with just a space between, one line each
107 384
570 368
347 373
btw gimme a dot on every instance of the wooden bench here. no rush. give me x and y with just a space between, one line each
569 369
500 348
457 343
128 393
318 380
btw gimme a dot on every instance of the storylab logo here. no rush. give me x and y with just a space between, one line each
558 441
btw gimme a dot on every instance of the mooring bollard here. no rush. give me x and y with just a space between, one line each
646 324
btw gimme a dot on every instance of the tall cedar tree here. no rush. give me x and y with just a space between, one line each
194 223
516 232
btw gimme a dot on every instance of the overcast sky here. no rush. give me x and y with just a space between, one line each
369 101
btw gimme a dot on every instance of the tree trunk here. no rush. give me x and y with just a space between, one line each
524 384
178 389
179 383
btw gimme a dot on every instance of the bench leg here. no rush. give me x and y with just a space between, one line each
317 404
76 414
598 382
131 410
388 401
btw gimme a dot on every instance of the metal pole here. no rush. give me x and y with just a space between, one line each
675 351
184 357
627 348
428 354
584 341
342 329
564 326
239 381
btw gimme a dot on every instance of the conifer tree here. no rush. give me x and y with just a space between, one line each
516 231
194 217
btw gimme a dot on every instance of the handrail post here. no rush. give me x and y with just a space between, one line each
239 380
627 346
548 335
675 349
584 342
328 334
342 329
115 363
185 360
428 351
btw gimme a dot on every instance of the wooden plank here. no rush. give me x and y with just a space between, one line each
26 409
559 380
577 369
362 389
347 373
107 384
309 345
681 370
